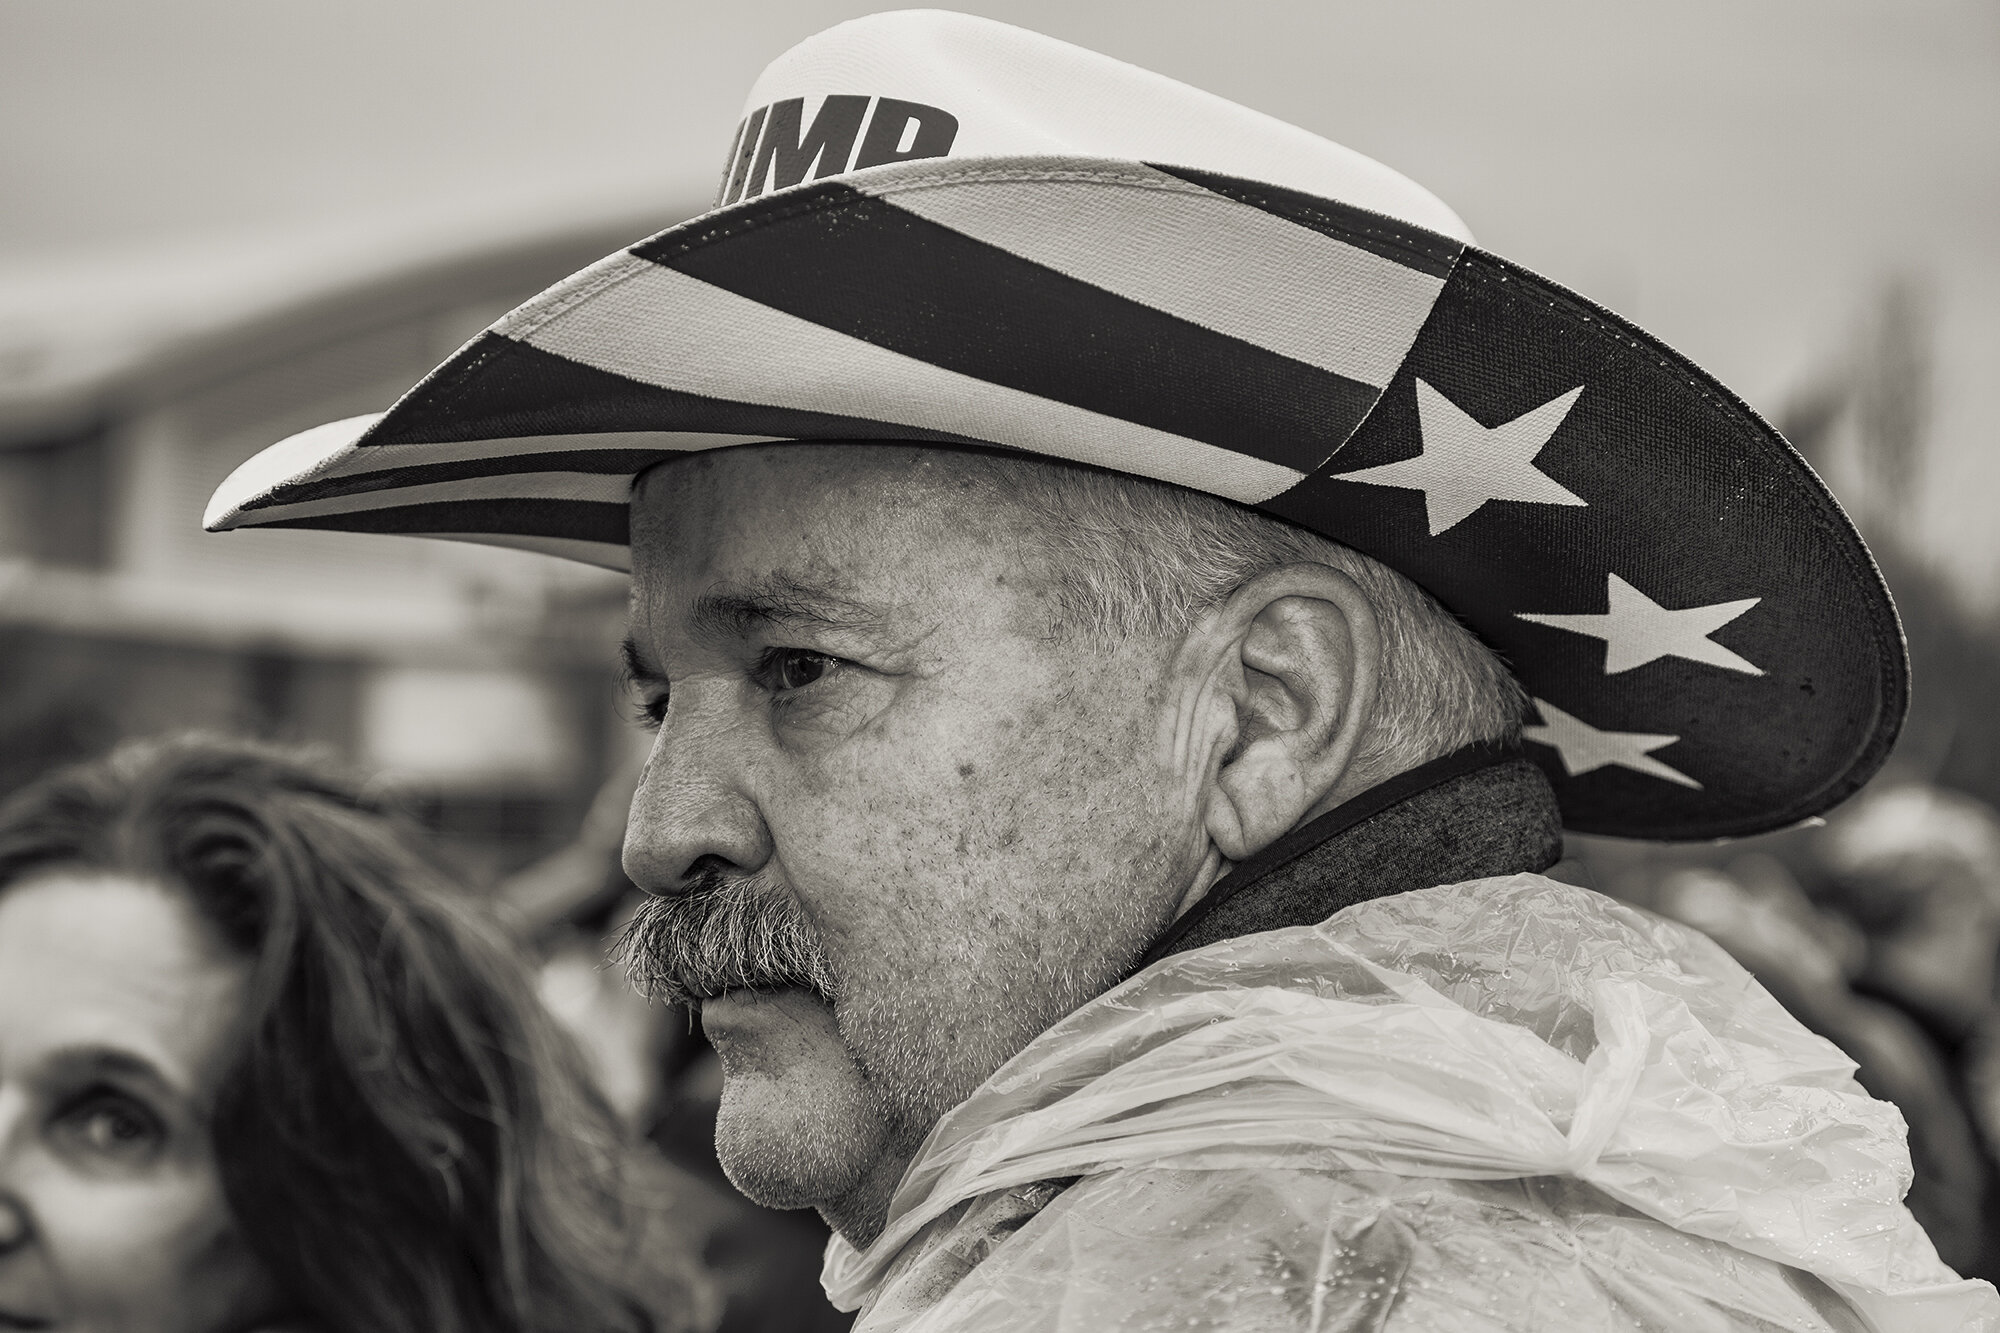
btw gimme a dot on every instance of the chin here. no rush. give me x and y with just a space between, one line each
793 1141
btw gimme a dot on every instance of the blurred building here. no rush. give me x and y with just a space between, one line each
478 679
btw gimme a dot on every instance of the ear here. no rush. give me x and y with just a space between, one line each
1297 654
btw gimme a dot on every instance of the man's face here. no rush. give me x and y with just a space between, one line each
862 712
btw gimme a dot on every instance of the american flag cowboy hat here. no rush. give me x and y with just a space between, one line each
946 230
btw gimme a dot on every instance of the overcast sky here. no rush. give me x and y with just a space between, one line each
1739 176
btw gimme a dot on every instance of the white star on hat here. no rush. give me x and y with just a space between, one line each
1465 464
1583 747
1637 630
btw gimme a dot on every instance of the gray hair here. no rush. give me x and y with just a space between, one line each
1129 557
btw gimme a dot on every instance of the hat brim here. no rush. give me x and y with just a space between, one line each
1710 648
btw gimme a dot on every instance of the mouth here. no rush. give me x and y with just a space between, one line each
743 1006
11 1320
709 994
744 995
698 998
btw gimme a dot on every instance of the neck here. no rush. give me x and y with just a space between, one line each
859 1215
1477 812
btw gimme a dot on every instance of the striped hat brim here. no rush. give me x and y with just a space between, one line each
1710 649
931 302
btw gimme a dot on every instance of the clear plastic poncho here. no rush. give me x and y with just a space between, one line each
1504 1104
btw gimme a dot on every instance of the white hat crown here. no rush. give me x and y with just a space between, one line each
924 83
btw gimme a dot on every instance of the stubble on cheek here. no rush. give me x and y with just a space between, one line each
1019 895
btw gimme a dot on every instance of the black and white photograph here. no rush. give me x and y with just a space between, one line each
1287 666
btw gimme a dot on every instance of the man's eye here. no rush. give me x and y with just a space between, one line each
650 711
784 669
112 1127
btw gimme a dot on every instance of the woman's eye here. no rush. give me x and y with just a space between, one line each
794 668
112 1126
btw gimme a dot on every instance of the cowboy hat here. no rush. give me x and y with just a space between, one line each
941 229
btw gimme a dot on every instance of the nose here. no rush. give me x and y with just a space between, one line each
693 802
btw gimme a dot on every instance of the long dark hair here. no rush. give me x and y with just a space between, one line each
406 1139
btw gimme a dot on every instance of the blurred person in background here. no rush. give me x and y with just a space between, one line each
262 1066
1916 868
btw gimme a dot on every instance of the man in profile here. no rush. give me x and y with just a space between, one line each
1129 597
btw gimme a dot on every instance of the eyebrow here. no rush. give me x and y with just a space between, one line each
777 599
780 599
94 1059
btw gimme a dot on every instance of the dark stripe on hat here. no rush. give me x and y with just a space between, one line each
860 266
1391 238
498 389
609 462
586 520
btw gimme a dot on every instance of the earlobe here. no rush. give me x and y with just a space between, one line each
1256 801
1301 648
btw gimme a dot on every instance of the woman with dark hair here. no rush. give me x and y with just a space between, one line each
261 1064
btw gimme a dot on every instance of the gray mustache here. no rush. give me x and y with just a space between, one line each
721 934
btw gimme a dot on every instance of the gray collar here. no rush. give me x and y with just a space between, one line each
1477 812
